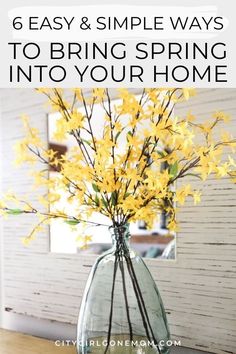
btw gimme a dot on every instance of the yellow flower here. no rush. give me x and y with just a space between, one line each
26 241
84 241
2 204
190 117
78 92
43 90
99 94
196 197
222 170
125 170
188 92
222 116
173 226
182 193
61 131
76 121
231 161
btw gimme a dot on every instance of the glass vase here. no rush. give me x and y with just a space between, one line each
121 311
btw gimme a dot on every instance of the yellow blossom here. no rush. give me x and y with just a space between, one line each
222 116
197 197
127 169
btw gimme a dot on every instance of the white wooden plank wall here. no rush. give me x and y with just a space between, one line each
199 289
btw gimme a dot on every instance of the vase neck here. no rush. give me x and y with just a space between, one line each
120 235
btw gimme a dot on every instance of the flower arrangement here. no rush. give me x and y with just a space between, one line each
118 170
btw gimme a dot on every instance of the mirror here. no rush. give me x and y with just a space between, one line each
157 243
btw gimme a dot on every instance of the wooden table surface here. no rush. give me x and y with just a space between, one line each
18 343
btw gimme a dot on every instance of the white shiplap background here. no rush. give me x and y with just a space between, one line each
198 289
